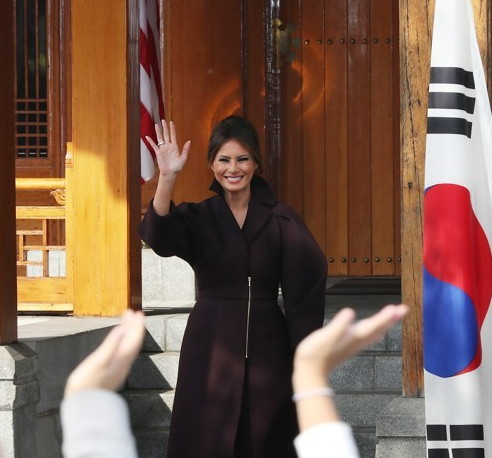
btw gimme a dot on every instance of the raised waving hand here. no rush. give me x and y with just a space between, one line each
170 159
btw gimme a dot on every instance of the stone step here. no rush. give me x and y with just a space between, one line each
150 409
164 330
150 412
368 371
166 324
378 367
150 415
153 444
154 371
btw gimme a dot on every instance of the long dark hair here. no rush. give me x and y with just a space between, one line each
235 128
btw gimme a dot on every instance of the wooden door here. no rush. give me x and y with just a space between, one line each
340 106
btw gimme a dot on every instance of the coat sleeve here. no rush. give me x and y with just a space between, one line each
96 424
303 278
173 234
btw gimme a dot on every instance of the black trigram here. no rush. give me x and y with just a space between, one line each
467 441
450 101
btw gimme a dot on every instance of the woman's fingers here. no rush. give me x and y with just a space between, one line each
372 329
161 132
186 148
367 331
133 326
173 132
158 132
152 142
165 131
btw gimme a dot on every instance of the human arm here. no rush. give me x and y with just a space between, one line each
95 420
170 162
168 232
315 358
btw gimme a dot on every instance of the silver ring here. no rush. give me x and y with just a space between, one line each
160 143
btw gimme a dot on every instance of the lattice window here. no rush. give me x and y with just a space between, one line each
35 257
31 104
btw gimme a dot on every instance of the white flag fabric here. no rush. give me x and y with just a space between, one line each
457 287
151 102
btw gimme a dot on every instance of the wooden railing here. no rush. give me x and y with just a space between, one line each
39 291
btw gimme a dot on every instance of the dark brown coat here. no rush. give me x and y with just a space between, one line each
273 248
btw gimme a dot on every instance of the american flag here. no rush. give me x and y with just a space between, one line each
457 288
151 102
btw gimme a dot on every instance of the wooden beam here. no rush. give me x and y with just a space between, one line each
416 24
106 156
8 275
35 184
40 212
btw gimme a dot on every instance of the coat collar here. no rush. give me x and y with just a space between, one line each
259 209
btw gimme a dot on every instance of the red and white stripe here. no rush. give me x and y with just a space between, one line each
151 101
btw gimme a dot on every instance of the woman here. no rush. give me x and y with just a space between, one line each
233 392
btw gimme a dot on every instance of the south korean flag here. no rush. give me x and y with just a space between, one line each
457 283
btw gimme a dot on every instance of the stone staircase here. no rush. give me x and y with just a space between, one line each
364 385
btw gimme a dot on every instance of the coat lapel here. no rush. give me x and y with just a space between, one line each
259 209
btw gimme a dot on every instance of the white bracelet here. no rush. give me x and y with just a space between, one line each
323 391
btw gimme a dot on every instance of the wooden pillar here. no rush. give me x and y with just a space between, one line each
8 275
416 24
106 156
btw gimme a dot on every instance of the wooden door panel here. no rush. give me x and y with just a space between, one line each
397 190
291 114
359 139
336 137
205 59
313 118
253 70
382 182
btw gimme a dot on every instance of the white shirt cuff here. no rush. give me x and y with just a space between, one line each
327 439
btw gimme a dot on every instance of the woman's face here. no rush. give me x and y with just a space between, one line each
234 167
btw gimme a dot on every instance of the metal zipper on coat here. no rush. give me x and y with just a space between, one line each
247 317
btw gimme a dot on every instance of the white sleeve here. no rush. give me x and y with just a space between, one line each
333 439
96 424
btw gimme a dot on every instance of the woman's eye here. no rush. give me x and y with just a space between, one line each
223 159
243 159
